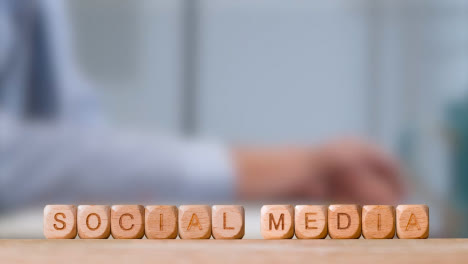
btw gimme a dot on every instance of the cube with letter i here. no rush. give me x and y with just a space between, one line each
378 221
161 221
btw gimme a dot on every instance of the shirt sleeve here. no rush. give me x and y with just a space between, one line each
206 169
55 165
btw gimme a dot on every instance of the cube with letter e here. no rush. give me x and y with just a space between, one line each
311 221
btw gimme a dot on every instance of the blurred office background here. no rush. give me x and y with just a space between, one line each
264 71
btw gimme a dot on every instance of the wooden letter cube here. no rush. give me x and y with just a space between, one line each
344 221
277 221
94 221
311 221
378 221
127 221
161 221
228 222
195 222
60 221
412 221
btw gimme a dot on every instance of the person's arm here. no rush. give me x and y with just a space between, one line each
43 164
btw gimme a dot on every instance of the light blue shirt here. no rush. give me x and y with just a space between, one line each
74 157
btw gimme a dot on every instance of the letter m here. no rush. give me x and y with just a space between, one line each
276 225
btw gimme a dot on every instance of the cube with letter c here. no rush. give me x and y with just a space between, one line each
127 221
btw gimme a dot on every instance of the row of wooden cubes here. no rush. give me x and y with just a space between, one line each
228 221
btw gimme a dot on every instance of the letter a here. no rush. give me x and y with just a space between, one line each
412 223
194 221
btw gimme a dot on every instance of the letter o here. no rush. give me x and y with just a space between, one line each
98 224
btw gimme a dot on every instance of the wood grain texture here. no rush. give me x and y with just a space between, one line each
378 221
161 221
228 221
94 221
60 221
317 251
277 221
344 221
127 221
195 221
412 221
310 221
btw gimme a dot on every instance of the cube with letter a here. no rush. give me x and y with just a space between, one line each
412 221
195 222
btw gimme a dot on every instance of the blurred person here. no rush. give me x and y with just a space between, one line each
56 148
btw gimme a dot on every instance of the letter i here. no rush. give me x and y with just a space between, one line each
378 222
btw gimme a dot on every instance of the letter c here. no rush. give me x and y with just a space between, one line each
121 224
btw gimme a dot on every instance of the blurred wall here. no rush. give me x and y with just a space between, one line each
131 51
274 70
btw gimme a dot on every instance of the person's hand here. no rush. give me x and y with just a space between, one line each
355 171
341 171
